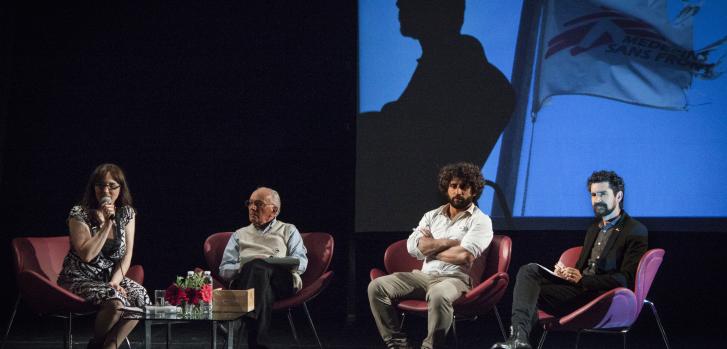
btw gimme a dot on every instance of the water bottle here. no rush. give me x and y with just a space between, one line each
207 277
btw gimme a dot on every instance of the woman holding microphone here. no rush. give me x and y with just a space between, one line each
102 230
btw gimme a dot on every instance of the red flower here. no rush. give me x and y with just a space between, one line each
206 293
175 295
193 296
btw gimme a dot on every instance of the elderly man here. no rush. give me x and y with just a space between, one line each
245 261
448 239
611 252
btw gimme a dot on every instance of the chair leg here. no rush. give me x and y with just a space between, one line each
658 322
454 332
292 328
147 334
624 333
10 324
310 321
542 339
128 344
403 317
169 334
578 338
69 338
499 322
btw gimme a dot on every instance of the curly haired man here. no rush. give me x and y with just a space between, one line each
448 239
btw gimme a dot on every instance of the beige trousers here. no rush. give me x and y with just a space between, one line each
439 291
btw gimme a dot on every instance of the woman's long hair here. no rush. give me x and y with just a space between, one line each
89 200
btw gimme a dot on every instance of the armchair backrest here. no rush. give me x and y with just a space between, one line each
320 254
319 246
214 248
569 257
398 259
43 255
495 259
645 274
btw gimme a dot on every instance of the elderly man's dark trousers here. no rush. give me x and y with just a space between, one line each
536 289
271 282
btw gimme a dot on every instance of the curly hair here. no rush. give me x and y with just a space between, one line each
615 182
468 173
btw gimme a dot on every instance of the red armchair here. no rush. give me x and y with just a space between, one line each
315 279
612 312
38 261
488 273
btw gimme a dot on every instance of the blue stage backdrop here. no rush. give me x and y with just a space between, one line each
672 161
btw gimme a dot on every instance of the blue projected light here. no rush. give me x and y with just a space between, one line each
671 161
387 59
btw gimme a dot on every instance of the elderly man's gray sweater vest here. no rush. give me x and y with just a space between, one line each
271 244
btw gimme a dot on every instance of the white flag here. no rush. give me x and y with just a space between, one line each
623 50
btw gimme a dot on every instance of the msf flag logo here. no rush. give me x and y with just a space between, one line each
631 53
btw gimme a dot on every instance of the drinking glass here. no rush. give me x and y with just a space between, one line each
159 297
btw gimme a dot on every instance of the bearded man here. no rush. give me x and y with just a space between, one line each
448 239
611 252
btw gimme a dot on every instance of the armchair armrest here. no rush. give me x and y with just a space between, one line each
136 273
487 293
376 273
494 283
613 309
314 288
46 297
307 293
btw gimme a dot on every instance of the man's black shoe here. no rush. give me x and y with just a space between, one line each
518 340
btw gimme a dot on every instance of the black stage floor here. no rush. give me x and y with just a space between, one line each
335 333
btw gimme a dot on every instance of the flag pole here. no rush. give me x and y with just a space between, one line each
522 72
535 105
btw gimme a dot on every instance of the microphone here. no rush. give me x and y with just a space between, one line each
105 201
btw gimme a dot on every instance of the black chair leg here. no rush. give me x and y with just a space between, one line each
454 332
578 338
169 334
10 324
69 338
292 328
499 322
313 327
658 322
542 339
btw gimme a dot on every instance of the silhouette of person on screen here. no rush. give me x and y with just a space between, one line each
455 107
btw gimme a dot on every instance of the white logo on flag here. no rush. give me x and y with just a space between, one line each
629 53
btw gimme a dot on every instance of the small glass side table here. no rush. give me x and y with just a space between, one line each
169 318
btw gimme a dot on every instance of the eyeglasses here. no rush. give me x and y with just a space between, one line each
111 186
258 204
